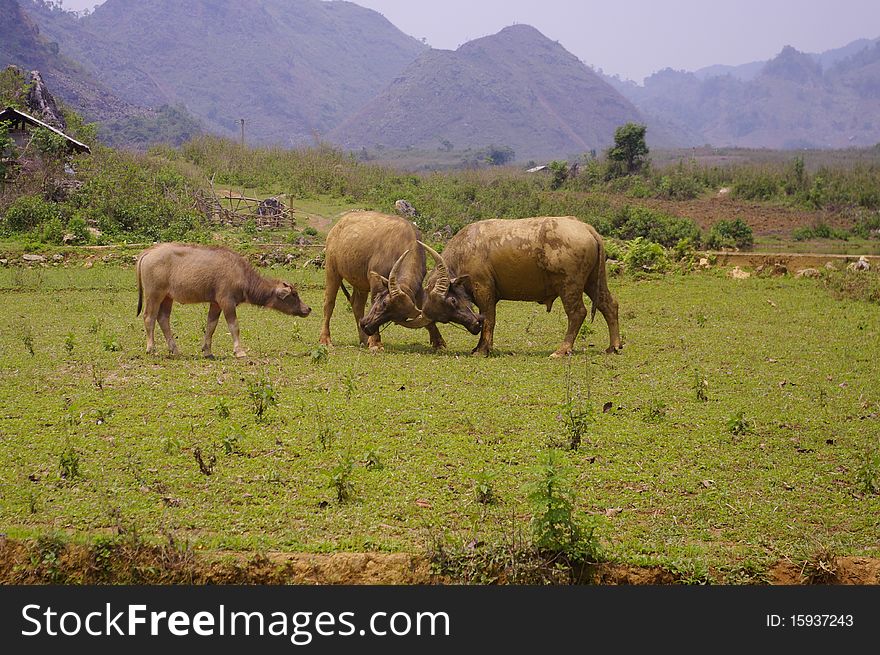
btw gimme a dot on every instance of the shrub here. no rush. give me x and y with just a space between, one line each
29 212
644 255
632 222
730 234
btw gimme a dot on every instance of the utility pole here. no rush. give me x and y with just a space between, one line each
241 120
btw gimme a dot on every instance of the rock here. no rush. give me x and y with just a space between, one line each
57 257
405 209
807 272
69 238
88 264
830 266
861 265
738 274
95 232
723 191
41 102
4 262
703 263
33 258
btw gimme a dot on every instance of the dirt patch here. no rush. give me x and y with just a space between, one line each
120 562
766 220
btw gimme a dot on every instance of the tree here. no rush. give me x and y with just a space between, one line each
499 155
629 152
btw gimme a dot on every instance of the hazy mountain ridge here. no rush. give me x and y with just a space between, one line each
516 88
791 103
291 68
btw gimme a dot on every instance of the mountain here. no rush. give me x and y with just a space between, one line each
22 43
290 68
752 69
516 88
792 102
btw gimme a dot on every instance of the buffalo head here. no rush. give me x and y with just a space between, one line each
286 300
448 299
391 303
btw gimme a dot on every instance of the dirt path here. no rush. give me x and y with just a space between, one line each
25 562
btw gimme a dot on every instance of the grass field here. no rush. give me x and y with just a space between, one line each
777 460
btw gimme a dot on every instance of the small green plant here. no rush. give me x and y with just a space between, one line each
556 530
94 326
868 472
483 487
577 418
350 382
262 395
701 386
738 424
231 443
339 479
69 462
222 408
110 343
170 444
320 354
27 338
654 411
69 344
372 460
98 376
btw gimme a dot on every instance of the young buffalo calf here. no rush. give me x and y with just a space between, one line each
190 274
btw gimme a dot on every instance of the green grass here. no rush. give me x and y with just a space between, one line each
660 471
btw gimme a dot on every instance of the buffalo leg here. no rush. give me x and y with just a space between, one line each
607 306
487 309
150 311
331 288
232 321
573 301
213 317
437 341
164 319
358 305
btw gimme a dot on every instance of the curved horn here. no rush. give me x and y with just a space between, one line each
441 286
393 286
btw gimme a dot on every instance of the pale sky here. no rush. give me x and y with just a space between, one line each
634 38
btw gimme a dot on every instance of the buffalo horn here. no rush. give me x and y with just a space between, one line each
441 286
393 286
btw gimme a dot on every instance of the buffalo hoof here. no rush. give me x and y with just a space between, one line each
560 353
611 350
440 345
479 352
241 354
208 356
377 349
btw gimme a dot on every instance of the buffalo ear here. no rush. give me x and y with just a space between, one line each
378 280
465 282
283 291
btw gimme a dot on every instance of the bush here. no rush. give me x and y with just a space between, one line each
730 234
28 213
644 255
633 222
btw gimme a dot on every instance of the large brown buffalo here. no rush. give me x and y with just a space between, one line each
534 259
192 274
381 255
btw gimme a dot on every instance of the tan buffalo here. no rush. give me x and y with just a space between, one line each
381 255
533 259
194 274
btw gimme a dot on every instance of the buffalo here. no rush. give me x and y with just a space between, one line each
193 274
382 255
532 259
